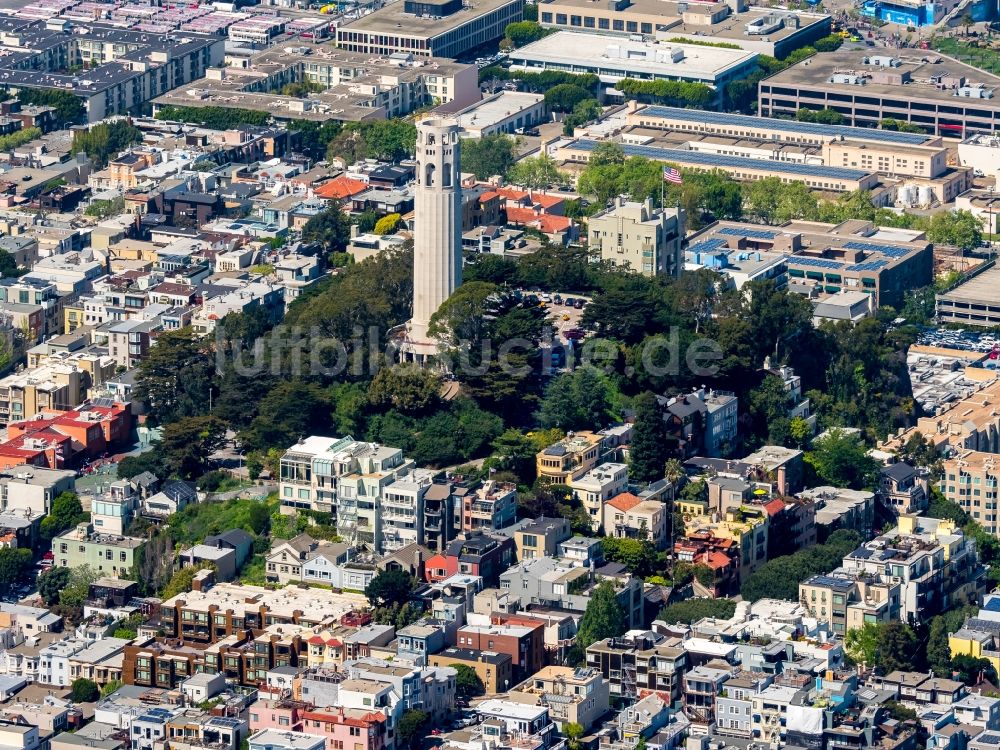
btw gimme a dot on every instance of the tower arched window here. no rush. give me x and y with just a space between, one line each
446 176
429 175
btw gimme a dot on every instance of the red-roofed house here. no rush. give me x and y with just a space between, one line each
341 188
630 517
721 556
57 439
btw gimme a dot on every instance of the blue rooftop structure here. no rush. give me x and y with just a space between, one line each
792 126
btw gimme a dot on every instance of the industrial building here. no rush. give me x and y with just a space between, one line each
768 32
823 259
358 86
120 69
432 28
936 92
612 59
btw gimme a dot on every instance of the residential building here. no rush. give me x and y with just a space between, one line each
638 237
489 507
567 582
478 554
847 603
402 505
935 565
495 669
702 686
838 508
903 488
578 453
275 739
628 517
107 554
579 696
596 487
639 662
438 30
541 537
703 422
524 644
33 490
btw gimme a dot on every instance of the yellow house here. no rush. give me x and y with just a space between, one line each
975 643
72 317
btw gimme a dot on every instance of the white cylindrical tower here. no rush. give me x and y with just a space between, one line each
437 239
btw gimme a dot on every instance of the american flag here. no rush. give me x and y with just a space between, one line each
672 175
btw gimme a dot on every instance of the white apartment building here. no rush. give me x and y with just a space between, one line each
769 714
311 469
597 486
31 489
403 510
53 661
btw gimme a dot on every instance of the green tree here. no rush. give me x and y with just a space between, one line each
638 555
900 125
829 43
825 116
290 410
861 644
578 400
75 592
959 228
84 691
411 727
565 96
51 583
65 513
467 682
583 112
109 687
106 139
938 650
181 581
971 670
188 443
604 617
407 388
490 155
390 587
573 732
769 404
521 33
898 647
151 461
841 460
216 118
779 577
536 173
649 447
330 227
14 564
175 377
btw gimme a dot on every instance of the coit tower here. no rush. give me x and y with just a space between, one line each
437 241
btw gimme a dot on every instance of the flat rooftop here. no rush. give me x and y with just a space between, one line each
922 67
393 19
496 108
722 161
615 54
748 122
980 289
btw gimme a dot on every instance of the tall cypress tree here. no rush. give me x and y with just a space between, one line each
648 449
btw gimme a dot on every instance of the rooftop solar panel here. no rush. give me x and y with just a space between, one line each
757 234
719 161
798 260
707 245
791 126
890 251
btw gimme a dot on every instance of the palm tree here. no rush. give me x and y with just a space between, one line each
672 472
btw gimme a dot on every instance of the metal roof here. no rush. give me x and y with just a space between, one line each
718 161
792 126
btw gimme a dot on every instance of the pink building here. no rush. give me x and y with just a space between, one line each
343 728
